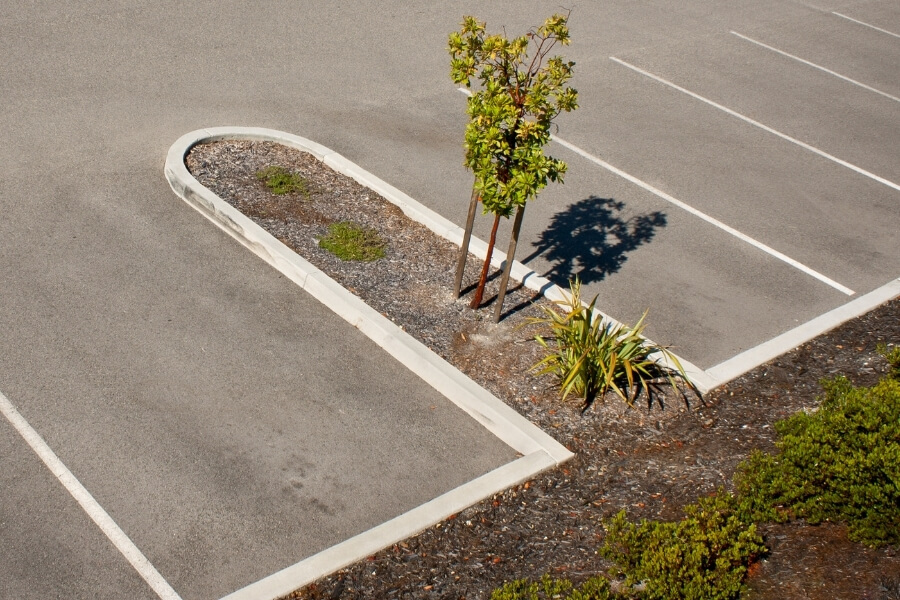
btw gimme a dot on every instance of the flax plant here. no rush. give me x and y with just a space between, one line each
590 355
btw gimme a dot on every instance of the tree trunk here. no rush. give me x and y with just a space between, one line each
467 236
479 292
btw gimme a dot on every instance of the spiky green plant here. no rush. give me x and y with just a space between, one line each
590 355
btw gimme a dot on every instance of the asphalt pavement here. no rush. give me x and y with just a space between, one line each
232 425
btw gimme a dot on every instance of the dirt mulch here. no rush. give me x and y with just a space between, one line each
649 460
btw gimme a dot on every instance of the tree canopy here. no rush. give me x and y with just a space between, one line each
512 112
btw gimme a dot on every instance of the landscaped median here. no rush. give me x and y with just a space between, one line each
539 451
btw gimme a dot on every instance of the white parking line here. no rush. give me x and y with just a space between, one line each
746 119
713 221
814 65
697 213
896 35
106 524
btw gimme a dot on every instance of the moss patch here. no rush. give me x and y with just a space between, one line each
349 241
280 181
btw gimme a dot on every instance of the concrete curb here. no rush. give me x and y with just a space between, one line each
516 431
410 207
539 450
749 359
398 529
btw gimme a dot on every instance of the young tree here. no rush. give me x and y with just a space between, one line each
510 119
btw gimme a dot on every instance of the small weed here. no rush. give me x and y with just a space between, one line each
349 241
280 181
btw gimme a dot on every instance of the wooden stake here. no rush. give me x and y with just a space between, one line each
510 257
467 236
479 291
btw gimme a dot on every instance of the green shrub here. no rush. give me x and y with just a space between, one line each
280 181
349 241
840 463
590 357
704 556
596 588
893 357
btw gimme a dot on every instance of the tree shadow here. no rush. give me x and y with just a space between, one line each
592 240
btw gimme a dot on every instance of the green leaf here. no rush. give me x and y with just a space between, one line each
590 357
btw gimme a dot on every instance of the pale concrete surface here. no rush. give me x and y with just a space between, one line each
230 424
160 361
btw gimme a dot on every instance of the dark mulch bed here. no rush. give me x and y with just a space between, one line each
650 460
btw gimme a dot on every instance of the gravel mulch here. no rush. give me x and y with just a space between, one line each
650 460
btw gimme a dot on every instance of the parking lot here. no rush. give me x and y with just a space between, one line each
764 189
735 169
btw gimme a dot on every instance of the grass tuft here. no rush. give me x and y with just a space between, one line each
349 241
280 181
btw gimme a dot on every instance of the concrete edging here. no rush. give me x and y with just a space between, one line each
390 532
750 359
539 450
410 207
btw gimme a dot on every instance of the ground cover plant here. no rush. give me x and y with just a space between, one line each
281 181
653 462
349 241
548 588
892 355
704 556
839 463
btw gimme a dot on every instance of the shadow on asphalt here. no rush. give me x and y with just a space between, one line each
591 239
